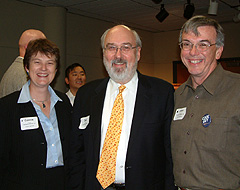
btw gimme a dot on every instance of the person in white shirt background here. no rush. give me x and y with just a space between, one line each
75 77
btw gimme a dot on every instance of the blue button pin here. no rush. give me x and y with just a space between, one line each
206 120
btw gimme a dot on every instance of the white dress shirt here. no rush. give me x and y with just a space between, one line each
129 97
70 96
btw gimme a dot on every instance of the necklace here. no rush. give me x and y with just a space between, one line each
43 104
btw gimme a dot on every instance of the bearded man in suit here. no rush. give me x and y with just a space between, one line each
143 158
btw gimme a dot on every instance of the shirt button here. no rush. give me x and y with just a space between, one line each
184 171
185 152
121 166
191 115
196 97
51 128
188 132
56 161
52 144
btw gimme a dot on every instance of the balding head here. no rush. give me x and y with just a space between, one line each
26 37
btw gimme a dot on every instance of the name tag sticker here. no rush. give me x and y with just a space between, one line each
206 120
179 114
84 121
29 123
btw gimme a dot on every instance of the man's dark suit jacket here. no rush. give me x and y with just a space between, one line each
148 161
23 153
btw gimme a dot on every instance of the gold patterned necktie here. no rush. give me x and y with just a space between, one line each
107 164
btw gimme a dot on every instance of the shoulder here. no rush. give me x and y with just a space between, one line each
60 94
9 103
63 97
180 89
13 97
230 84
95 83
154 82
17 64
93 86
91 89
232 76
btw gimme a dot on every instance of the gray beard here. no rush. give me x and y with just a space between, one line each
120 75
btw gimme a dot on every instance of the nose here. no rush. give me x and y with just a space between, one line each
79 76
194 51
118 52
44 67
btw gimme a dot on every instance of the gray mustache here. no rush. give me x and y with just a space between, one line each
118 61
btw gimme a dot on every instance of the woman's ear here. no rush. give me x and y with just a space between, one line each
27 70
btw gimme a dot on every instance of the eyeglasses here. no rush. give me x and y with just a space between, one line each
124 48
201 46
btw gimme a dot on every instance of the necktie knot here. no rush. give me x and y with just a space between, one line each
121 88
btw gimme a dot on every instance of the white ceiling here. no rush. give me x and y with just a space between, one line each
141 14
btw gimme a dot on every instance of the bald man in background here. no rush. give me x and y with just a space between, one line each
15 77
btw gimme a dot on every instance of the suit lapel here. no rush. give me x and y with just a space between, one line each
59 108
142 101
60 118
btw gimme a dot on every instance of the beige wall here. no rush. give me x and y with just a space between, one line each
83 41
83 44
165 52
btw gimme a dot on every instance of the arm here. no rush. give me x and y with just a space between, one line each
169 178
77 164
4 144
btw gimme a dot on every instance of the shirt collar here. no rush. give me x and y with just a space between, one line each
69 93
212 81
25 96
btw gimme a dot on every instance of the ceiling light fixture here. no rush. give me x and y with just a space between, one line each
162 14
188 10
213 7
236 17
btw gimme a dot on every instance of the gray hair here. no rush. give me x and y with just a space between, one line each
138 40
192 26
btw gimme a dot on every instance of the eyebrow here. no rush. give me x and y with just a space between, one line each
77 72
36 58
125 43
197 42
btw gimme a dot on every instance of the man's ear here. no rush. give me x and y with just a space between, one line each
219 52
66 80
138 53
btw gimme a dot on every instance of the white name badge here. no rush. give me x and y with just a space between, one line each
180 113
29 123
84 121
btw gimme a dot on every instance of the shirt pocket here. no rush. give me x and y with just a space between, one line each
214 137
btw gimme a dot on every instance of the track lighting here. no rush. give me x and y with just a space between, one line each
162 14
188 10
236 18
213 7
